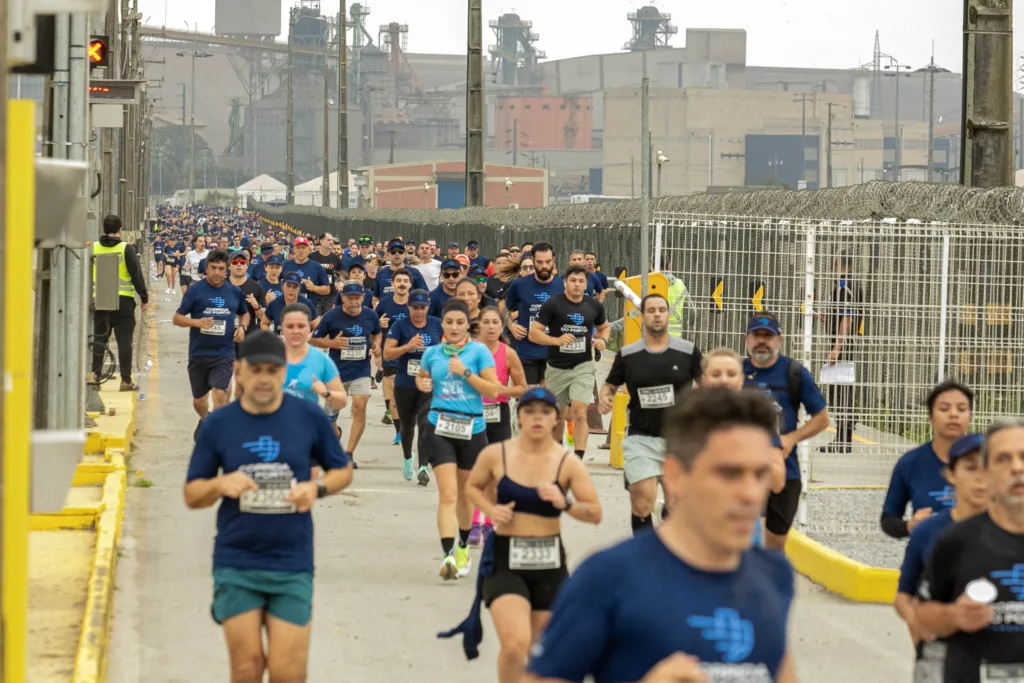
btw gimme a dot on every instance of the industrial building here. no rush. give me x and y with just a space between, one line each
573 117
442 185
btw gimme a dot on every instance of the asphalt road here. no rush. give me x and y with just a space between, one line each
378 599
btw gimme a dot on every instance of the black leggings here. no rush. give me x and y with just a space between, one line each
122 323
500 431
412 407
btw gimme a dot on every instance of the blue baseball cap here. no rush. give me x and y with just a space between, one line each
357 262
963 447
477 271
266 246
291 278
766 322
419 297
353 288
472 244
239 253
451 264
395 244
275 260
538 394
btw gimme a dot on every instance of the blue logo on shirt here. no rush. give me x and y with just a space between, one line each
732 636
576 318
218 302
426 339
542 296
264 448
1012 579
947 496
356 331
301 274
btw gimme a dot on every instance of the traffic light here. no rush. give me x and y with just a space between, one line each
98 51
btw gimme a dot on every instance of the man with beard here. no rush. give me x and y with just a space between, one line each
330 262
790 385
396 260
451 273
522 303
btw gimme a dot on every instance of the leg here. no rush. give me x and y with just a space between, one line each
447 503
512 622
101 328
124 332
355 432
463 508
642 495
287 650
221 373
578 411
201 405
782 509
220 398
244 637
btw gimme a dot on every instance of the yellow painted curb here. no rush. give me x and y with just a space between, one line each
840 574
91 659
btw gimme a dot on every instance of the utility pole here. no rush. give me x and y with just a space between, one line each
515 142
829 143
803 100
475 106
391 154
342 105
290 151
326 189
899 70
645 177
986 153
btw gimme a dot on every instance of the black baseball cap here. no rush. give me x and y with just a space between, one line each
395 244
451 264
472 244
266 246
419 297
541 394
275 260
453 244
766 322
239 253
963 447
353 288
262 347
291 278
357 262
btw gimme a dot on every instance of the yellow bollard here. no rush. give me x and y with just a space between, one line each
618 428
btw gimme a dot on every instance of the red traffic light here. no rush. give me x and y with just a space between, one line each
98 52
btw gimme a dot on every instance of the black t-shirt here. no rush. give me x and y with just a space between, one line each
248 287
654 379
979 550
562 316
496 289
331 264
846 301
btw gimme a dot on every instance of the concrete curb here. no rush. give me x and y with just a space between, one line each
839 574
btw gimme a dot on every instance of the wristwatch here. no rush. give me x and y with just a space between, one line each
321 489
467 374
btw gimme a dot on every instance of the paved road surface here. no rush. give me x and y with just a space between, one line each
378 600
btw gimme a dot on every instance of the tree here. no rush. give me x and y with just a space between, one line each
170 161
771 182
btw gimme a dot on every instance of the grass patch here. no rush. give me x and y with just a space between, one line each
143 483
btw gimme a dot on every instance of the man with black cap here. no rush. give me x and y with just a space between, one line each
255 299
475 259
365 252
789 384
453 250
257 269
451 273
290 286
255 459
331 264
271 281
314 279
396 260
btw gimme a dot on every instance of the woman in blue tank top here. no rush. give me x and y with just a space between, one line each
523 563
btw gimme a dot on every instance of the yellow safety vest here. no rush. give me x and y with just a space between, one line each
676 307
124 278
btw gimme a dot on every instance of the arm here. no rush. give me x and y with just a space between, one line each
845 327
586 507
895 504
131 262
539 336
179 320
604 332
202 493
486 382
481 479
392 351
515 373
787 671
375 343
940 611
816 425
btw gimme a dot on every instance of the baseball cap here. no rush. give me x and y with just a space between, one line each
419 297
449 264
392 244
472 244
538 394
365 239
353 288
262 347
300 240
453 244
477 271
357 262
292 278
462 259
275 260
963 447
239 253
764 321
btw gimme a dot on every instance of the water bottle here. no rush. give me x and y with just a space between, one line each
142 380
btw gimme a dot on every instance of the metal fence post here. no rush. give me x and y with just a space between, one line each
803 449
943 306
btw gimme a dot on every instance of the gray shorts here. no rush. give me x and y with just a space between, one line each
358 387
575 384
643 456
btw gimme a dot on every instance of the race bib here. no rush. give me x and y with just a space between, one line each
219 328
412 367
492 413
454 426
534 554
353 353
663 396
269 499
1003 673
578 346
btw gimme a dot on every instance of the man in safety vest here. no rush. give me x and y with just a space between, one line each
677 297
130 280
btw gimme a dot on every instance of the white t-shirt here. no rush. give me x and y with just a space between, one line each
431 272
192 260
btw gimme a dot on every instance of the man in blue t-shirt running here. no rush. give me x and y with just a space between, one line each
255 457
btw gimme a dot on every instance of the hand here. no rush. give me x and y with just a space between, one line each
788 442
271 295
919 516
319 387
235 484
606 401
833 357
971 616
599 344
518 331
502 514
204 323
339 342
145 307
676 668
456 367
303 496
416 343
375 352
308 284
918 634
239 334
553 495
566 339
384 321
251 300
425 384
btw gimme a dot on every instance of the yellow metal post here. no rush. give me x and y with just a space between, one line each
17 405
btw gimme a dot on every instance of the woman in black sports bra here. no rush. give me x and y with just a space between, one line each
523 564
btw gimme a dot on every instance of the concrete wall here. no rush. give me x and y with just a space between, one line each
401 186
542 122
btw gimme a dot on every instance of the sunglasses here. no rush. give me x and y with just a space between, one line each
365 240
526 267
239 262
480 280
397 250
451 275
514 251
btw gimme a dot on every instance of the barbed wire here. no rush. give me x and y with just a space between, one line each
875 200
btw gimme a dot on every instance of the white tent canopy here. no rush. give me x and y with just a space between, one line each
310 193
262 183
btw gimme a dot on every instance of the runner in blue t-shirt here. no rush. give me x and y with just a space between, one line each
691 600
255 458
271 280
312 374
391 309
351 334
522 303
290 287
456 373
396 260
214 310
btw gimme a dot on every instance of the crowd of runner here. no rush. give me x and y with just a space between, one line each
482 363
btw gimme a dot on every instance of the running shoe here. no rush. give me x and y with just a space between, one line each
407 469
449 570
379 377
462 561
397 441
386 418
423 476
475 535
373 385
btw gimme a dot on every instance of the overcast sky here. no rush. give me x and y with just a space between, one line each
792 33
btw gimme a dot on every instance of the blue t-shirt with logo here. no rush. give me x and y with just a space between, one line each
525 296
615 618
404 331
311 269
382 286
269 286
438 299
919 550
223 303
394 312
918 479
257 268
317 365
354 362
774 382
274 450
454 394
275 309
367 299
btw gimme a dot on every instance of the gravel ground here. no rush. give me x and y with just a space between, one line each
846 520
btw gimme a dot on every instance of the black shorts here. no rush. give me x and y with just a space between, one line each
538 586
782 507
445 451
210 372
534 369
390 372
185 280
500 431
324 304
